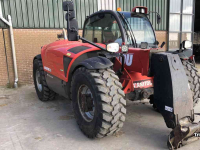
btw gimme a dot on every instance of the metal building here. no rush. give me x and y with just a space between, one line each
177 15
37 22
49 13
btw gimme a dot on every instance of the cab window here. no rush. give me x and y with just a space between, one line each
102 28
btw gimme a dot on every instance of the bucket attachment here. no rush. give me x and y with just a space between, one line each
184 133
173 98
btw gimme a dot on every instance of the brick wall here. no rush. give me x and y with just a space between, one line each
28 44
9 58
3 66
162 37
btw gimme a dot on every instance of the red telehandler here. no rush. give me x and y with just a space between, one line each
117 59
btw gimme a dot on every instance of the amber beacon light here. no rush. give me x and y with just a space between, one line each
119 9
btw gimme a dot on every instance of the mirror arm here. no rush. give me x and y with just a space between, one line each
68 24
83 39
68 21
155 13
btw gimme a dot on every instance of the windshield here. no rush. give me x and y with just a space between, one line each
141 29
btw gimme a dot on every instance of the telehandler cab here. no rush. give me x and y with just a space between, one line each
116 59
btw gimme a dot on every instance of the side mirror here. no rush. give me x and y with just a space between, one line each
158 18
187 44
72 24
68 5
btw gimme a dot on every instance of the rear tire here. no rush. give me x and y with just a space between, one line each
41 87
105 102
193 79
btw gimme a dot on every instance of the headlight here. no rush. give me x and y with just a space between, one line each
124 48
137 10
144 45
187 44
142 10
113 47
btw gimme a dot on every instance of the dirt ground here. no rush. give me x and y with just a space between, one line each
29 124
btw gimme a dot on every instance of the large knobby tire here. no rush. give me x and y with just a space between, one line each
193 79
41 87
104 102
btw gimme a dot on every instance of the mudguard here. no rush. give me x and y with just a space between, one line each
96 63
185 54
91 63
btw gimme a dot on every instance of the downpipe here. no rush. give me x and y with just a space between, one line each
13 52
9 23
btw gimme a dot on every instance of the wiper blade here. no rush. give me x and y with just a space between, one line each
130 30
128 34
129 26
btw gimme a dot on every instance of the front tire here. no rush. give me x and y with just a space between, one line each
98 102
41 87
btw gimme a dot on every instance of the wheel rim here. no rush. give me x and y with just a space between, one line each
39 85
86 103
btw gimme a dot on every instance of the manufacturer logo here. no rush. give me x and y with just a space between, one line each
46 68
128 59
143 84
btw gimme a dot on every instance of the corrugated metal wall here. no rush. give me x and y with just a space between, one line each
49 13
